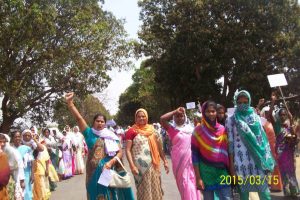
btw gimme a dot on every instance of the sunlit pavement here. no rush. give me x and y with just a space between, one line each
74 188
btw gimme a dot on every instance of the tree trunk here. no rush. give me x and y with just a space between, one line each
224 91
229 97
6 124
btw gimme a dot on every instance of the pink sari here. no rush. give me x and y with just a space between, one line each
183 170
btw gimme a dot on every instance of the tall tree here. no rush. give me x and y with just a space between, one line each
193 44
142 93
50 47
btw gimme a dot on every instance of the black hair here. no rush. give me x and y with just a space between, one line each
13 134
208 104
99 115
219 106
282 110
44 130
2 136
35 154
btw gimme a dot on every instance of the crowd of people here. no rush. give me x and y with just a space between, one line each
250 152
34 162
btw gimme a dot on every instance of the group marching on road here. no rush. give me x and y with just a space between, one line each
32 163
250 151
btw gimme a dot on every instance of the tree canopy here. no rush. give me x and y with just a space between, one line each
194 44
206 49
50 47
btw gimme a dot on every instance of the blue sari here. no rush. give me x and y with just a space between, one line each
26 154
95 163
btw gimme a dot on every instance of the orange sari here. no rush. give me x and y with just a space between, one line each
272 140
4 176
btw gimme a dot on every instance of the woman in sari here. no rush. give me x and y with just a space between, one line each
103 147
70 137
286 141
79 153
67 155
4 169
180 133
265 114
41 188
16 185
52 147
210 154
144 150
249 150
26 150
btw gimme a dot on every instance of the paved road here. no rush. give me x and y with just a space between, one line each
74 188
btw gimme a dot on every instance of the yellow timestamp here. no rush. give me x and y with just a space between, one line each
252 180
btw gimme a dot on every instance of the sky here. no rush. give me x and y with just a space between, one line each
128 10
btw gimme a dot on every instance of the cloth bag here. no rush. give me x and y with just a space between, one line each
119 181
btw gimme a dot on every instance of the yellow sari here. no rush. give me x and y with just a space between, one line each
41 188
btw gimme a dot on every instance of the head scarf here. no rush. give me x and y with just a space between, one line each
74 129
7 138
31 143
147 130
211 142
185 127
279 126
252 133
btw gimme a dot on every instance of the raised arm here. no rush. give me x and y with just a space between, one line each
168 116
39 147
80 121
164 119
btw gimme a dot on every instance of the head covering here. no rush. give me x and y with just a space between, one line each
31 143
75 127
252 134
7 138
281 126
186 127
148 130
211 141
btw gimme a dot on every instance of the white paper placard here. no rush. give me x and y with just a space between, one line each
230 111
276 80
190 105
105 177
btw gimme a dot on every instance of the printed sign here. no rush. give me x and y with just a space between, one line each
190 105
277 80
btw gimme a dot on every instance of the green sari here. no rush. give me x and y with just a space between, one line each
97 158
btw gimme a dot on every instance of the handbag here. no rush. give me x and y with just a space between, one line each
119 181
